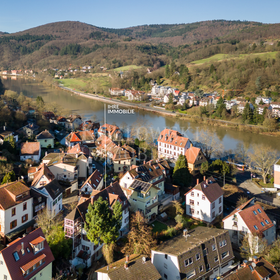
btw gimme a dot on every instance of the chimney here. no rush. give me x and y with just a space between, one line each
207 181
4 127
36 169
185 232
22 248
191 144
126 265
111 184
197 181
91 199
204 178
127 258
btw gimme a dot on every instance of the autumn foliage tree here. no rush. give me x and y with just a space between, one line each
140 239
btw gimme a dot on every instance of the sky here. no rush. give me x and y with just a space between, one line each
19 15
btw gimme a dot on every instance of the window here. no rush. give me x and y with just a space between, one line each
213 247
24 218
220 209
197 194
139 194
225 254
165 276
191 202
259 210
24 206
203 197
220 200
216 259
166 256
192 193
165 265
255 212
197 212
200 268
191 211
188 261
223 243
213 215
256 228
5 277
262 223
13 211
267 222
197 256
190 274
197 203
213 205
13 224
16 256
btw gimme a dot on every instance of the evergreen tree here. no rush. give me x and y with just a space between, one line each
9 177
170 98
103 225
158 80
167 71
2 88
140 239
181 174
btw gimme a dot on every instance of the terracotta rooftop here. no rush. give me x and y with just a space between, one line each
94 179
43 170
173 138
108 129
37 240
30 148
192 154
27 260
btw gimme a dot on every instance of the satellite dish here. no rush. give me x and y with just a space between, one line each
253 265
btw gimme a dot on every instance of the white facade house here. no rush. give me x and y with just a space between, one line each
16 207
265 100
171 144
204 202
93 182
30 150
250 219
197 254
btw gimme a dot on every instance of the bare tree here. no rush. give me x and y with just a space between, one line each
241 153
209 143
261 160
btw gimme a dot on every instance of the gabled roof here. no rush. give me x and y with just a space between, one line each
141 186
79 149
9 191
43 170
255 216
94 180
210 188
29 259
137 269
192 154
261 269
108 129
45 135
54 189
30 148
172 137
69 159
80 136
146 172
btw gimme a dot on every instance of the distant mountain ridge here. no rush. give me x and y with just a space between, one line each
59 44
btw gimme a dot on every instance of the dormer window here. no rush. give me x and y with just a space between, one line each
37 244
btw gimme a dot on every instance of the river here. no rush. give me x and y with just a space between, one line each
93 109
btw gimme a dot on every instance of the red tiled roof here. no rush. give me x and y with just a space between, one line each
94 179
32 262
43 170
28 259
109 128
251 220
30 148
172 137
79 149
37 240
192 154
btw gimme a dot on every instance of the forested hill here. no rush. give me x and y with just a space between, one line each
62 43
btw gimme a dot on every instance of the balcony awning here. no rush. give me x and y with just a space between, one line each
20 229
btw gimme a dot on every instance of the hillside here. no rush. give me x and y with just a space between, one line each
60 44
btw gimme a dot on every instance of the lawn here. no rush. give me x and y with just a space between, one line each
128 67
73 83
220 56
158 226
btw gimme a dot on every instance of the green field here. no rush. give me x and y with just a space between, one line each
128 67
158 226
73 83
221 56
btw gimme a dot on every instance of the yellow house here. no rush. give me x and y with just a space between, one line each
195 158
143 197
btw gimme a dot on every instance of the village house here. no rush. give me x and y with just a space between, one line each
258 268
6 134
73 122
48 116
111 131
42 176
61 121
29 257
16 209
251 219
89 125
54 193
93 182
200 253
171 144
80 137
39 201
131 267
122 157
265 100
204 202
30 150
84 251
241 106
262 107
117 91
46 139
195 158
205 101
135 95
240 100
29 130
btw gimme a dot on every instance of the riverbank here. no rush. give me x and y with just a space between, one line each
192 118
